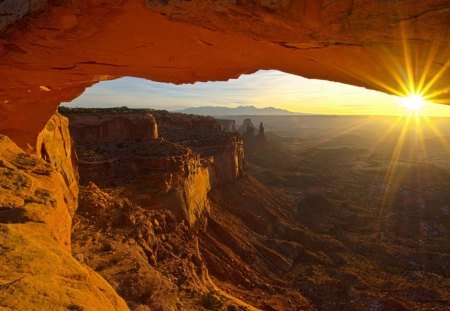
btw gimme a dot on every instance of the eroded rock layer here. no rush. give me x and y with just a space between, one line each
206 135
176 170
38 198
139 226
55 54
117 124
41 188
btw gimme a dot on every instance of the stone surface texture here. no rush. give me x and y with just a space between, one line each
175 170
38 198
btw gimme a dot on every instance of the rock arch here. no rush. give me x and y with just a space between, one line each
61 47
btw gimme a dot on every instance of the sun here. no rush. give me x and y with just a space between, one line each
413 102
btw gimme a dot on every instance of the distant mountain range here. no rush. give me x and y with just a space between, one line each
238 111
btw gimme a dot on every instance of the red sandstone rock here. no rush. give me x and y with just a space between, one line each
55 55
131 246
91 127
38 274
223 149
37 201
55 146
157 173
34 190
227 125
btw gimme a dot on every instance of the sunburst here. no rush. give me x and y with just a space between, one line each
413 103
415 89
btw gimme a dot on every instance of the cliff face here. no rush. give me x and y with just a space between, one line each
206 136
176 171
227 125
55 146
157 200
41 188
154 173
33 191
38 198
53 56
104 127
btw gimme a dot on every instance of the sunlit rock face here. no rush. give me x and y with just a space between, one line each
95 127
156 174
37 274
222 148
161 159
41 188
122 149
55 54
38 198
55 146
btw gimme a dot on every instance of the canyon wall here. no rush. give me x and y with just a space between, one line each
41 188
227 125
153 173
113 126
55 146
175 171
206 136
38 198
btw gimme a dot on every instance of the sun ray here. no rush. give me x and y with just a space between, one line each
444 143
385 134
431 96
392 168
427 66
408 61
419 131
415 75
343 132
435 78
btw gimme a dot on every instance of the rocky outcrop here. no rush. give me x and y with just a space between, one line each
227 125
178 170
41 188
53 56
205 135
127 249
37 202
111 125
55 146
247 127
253 142
155 173
36 273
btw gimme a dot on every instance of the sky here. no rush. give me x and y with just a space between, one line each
265 88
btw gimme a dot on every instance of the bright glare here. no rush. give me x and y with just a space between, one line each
413 102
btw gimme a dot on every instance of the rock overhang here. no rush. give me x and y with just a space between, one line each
51 56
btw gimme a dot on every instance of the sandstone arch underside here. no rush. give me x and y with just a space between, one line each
50 51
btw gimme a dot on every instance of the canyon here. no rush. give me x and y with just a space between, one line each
148 210
153 157
171 217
